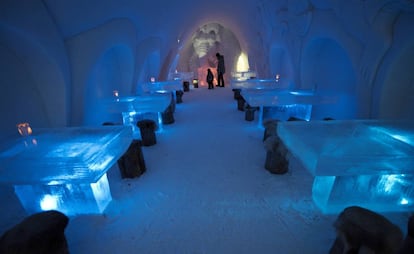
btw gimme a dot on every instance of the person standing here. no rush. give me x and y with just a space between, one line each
220 70
209 79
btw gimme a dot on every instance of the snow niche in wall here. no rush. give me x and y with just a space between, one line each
327 68
397 93
32 85
112 71
281 64
199 53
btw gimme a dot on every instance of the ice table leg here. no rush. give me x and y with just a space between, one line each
381 193
68 198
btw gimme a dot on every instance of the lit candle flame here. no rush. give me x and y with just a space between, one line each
24 129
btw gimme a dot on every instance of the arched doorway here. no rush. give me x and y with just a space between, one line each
199 53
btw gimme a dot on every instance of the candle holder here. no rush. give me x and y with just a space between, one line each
24 129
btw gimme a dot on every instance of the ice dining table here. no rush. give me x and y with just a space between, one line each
162 86
130 106
255 83
63 169
368 163
296 102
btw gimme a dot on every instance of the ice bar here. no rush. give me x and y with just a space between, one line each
63 169
369 163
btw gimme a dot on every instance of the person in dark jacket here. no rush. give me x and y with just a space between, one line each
220 70
209 79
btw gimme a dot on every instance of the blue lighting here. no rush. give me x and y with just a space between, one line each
49 202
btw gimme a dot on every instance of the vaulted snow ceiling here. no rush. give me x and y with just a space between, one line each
58 58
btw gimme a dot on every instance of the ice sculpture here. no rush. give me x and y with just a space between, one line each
63 169
368 163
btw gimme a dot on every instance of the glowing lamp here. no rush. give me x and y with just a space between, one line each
195 83
277 77
116 93
152 79
24 129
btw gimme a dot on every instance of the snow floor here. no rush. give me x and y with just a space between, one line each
205 191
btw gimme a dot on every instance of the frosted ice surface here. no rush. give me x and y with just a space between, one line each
151 102
243 75
349 147
163 86
70 199
276 97
63 169
260 84
362 162
64 155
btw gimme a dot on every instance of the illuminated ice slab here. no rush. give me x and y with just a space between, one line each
131 106
260 83
180 75
151 102
291 103
243 75
163 86
63 169
369 163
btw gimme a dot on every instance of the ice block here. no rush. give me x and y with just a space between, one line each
286 103
369 163
243 75
63 169
130 107
254 83
163 86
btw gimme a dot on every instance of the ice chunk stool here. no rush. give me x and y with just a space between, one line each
63 169
367 163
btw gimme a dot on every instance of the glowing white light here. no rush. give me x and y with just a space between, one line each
404 201
49 202
402 138
242 63
152 79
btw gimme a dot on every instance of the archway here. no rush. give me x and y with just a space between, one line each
198 53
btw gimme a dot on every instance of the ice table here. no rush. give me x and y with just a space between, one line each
63 169
181 76
163 86
369 163
243 75
260 84
297 103
130 106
